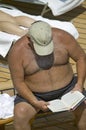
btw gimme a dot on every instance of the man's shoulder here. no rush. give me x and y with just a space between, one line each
62 34
20 43
18 47
24 39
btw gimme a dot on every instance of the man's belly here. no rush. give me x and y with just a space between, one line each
49 80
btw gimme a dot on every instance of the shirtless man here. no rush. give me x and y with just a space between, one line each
12 24
40 70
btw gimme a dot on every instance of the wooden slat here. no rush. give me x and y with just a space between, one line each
81 30
82 35
5 78
80 25
80 20
4 70
81 15
83 41
4 75
6 85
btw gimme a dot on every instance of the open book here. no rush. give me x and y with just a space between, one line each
69 101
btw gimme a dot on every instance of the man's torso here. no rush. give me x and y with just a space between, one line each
40 80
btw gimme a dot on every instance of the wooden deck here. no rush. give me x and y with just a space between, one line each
78 18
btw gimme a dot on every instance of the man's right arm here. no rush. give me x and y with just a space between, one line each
17 74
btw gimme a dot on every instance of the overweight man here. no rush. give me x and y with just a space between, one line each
41 71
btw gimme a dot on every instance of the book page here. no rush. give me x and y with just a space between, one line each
57 106
71 99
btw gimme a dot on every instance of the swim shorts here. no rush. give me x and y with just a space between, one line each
47 96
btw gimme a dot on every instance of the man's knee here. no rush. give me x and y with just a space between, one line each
24 111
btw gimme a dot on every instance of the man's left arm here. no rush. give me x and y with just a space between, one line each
78 55
81 72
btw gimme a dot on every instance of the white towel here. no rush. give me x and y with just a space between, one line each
7 39
6 106
6 42
59 7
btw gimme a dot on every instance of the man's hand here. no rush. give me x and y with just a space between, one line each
41 105
78 88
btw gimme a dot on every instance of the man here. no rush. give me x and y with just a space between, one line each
40 70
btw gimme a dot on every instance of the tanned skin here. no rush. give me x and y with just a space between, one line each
29 77
11 25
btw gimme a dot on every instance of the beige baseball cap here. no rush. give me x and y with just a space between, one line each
41 36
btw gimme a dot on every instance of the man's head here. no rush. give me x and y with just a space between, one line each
41 35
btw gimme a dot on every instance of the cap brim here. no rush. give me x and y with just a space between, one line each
44 50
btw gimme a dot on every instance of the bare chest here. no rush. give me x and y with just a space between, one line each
31 66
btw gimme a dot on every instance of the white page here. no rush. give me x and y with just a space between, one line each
57 106
72 98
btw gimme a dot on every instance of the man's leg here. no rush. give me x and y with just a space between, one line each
23 113
80 115
12 28
24 21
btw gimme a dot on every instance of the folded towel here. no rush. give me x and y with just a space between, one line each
5 42
6 106
59 7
